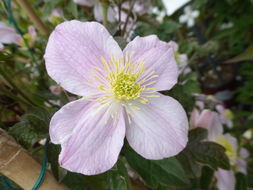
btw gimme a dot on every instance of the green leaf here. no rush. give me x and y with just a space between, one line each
154 172
191 167
212 154
209 153
206 177
77 181
24 134
142 166
169 172
119 178
197 134
199 152
72 8
32 127
36 123
245 56
53 152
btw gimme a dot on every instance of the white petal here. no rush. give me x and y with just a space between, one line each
159 129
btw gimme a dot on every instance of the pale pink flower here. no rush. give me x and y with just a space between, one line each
140 7
225 179
55 89
56 15
8 35
97 10
200 104
209 120
120 97
241 162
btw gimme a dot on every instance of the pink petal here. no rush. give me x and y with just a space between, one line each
241 165
8 35
194 118
64 121
244 153
158 56
174 45
96 139
97 11
225 179
232 140
210 120
159 129
74 49
99 16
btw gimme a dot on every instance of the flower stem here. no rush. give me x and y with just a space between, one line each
104 12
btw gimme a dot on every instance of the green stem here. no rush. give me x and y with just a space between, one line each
104 13
15 87
14 97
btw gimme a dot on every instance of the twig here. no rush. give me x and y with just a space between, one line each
131 2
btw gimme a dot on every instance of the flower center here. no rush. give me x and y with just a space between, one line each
122 79
125 87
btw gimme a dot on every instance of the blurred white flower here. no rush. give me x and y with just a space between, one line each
189 16
248 134
160 14
173 5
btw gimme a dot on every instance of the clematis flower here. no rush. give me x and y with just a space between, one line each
189 16
211 121
8 35
119 97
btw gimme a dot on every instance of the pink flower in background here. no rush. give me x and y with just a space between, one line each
211 121
237 157
8 35
56 16
120 97
140 7
225 179
97 10
207 119
226 115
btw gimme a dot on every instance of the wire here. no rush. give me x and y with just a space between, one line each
7 183
43 168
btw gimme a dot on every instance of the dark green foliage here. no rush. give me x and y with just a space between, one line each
154 172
